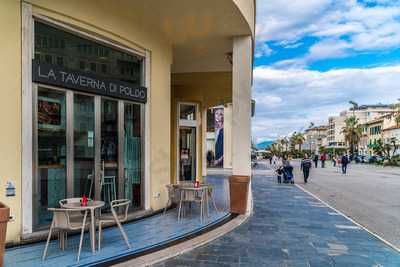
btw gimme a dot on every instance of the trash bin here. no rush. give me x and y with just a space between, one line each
4 217
238 190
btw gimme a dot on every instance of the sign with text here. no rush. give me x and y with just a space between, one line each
86 82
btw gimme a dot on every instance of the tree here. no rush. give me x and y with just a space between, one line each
387 150
352 132
298 139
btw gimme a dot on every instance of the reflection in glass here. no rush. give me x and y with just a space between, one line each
55 46
187 153
51 171
132 153
109 150
83 146
187 112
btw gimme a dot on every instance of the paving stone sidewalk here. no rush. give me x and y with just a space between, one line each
291 228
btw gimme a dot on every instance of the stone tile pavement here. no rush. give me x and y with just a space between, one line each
291 228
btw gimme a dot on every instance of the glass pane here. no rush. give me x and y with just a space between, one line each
109 150
187 112
187 154
132 153
83 146
51 119
58 47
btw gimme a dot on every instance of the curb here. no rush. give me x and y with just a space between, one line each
350 219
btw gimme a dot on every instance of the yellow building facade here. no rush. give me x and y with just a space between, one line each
95 90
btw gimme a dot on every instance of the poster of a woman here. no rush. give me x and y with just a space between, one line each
219 136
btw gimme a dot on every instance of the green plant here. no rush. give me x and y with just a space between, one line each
352 132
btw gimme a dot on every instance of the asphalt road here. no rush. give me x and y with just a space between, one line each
368 194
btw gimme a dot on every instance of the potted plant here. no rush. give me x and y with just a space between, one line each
4 217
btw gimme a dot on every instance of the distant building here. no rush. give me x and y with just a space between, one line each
315 138
335 136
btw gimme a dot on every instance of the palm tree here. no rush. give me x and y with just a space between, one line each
352 132
299 139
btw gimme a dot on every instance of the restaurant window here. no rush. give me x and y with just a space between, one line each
85 143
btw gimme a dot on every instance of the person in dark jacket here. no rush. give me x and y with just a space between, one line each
306 166
344 160
316 160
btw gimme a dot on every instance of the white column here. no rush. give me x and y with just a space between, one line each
241 113
228 136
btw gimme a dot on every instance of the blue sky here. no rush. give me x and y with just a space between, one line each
313 56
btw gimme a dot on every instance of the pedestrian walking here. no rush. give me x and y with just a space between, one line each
316 160
270 160
305 166
334 160
344 161
323 159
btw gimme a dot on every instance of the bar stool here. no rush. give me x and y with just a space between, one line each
108 189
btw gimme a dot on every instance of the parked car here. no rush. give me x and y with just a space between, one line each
360 159
374 159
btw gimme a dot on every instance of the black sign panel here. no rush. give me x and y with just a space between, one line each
86 82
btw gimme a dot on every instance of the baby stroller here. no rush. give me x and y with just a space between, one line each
288 174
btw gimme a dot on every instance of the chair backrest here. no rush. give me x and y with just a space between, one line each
61 217
173 193
120 207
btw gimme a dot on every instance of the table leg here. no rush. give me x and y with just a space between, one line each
93 231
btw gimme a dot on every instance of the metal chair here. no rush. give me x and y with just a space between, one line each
62 222
173 196
193 196
119 213
210 196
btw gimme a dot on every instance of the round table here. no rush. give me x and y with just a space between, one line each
91 206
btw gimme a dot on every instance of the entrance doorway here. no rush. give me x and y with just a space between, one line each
86 145
187 142
187 153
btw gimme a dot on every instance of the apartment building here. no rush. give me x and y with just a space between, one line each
316 137
334 134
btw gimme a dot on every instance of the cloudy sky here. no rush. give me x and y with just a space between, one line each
313 56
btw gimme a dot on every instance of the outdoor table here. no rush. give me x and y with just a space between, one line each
92 205
184 188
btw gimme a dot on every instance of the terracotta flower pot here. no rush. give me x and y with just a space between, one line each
4 217
238 190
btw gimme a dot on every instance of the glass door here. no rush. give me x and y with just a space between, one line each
50 152
132 154
187 153
109 150
84 149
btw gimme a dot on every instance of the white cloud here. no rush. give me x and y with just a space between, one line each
329 48
375 27
263 50
288 100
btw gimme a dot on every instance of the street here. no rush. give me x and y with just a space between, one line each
368 194
288 227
